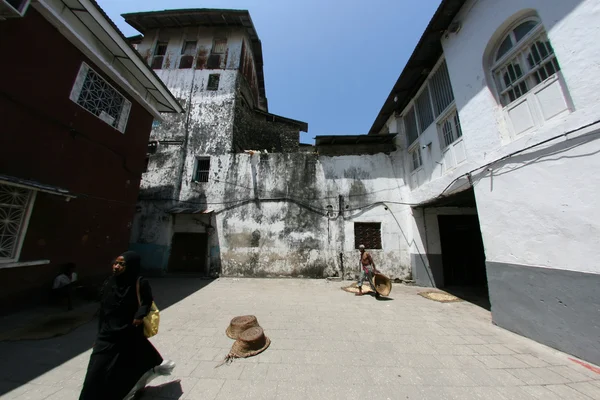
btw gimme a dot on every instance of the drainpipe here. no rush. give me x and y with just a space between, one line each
186 139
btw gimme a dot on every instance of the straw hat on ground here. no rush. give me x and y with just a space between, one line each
240 324
250 343
383 284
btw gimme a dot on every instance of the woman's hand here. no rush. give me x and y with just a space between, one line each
137 322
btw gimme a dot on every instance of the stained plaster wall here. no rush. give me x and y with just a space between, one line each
488 136
272 216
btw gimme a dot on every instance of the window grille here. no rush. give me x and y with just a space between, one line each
13 210
416 158
441 89
450 128
202 170
524 59
96 95
367 234
213 82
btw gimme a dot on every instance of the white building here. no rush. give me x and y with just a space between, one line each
498 111
227 190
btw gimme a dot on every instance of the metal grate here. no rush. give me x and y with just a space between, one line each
441 89
97 96
367 234
13 206
202 170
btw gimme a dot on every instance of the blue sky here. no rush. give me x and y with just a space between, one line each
330 63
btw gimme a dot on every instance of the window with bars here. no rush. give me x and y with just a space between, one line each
525 58
450 129
97 96
14 205
213 82
202 169
433 101
159 55
368 234
441 89
416 158
187 54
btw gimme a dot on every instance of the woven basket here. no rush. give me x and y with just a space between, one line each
383 284
240 324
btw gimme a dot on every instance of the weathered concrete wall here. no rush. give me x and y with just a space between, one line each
255 131
278 215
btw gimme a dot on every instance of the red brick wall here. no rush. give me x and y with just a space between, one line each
46 137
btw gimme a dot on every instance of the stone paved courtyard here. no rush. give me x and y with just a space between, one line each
326 344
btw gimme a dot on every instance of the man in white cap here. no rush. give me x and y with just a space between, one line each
367 268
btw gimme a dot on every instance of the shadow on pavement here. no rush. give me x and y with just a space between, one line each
169 390
24 361
474 295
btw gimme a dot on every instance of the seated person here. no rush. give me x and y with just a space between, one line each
63 284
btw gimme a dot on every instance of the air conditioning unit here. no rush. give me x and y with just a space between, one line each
13 8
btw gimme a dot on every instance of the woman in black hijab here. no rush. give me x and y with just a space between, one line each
123 360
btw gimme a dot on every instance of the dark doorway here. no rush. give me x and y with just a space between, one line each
188 253
463 257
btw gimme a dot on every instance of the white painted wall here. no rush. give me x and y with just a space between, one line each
535 209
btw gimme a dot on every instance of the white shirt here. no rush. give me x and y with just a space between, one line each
63 280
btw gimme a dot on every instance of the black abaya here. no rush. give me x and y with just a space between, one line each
121 354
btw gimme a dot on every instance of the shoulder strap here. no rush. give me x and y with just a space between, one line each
137 290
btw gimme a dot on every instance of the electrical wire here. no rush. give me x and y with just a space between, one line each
470 173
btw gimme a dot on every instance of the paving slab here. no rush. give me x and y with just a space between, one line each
326 344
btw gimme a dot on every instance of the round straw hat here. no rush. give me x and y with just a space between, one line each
240 324
250 343
383 284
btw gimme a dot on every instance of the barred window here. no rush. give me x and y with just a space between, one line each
416 158
14 203
450 129
441 89
97 96
367 234
524 59
202 169
213 82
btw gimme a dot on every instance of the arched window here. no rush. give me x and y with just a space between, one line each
523 59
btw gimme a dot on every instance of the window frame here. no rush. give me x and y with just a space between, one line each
184 56
198 171
359 240
210 87
457 133
154 55
77 89
414 106
23 224
519 53
415 150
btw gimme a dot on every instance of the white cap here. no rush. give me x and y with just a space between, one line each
361 247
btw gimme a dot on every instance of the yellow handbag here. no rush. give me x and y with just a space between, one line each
152 320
